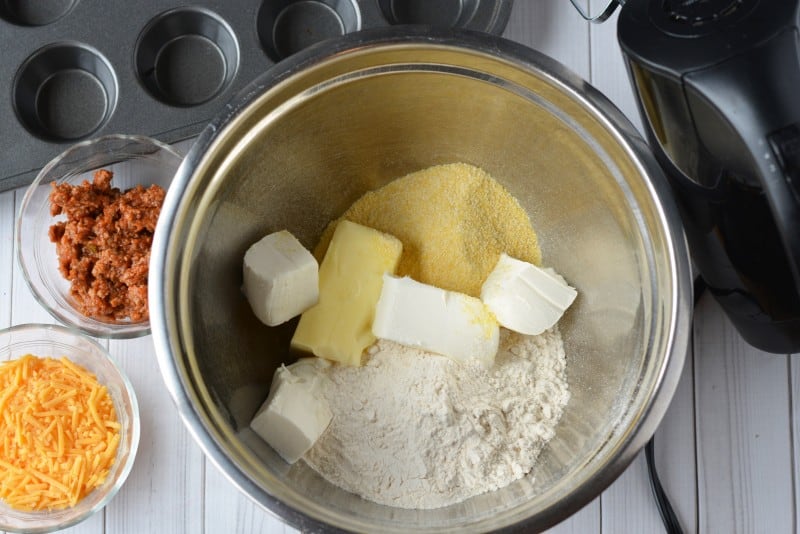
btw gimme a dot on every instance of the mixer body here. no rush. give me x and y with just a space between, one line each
718 86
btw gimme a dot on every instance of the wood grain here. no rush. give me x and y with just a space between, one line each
553 28
630 492
241 513
584 521
25 308
794 424
7 216
167 477
743 431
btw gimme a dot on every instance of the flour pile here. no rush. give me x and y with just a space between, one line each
416 430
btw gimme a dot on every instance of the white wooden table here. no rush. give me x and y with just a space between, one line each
726 450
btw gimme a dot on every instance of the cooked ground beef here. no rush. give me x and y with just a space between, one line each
104 245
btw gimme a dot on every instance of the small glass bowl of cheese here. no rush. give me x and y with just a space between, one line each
70 385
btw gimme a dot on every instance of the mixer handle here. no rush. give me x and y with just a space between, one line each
747 111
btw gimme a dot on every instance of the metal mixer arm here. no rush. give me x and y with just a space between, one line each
602 17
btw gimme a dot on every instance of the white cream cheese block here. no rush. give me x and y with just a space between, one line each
526 298
294 415
445 322
281 278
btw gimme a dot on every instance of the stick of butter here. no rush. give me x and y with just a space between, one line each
294 415
524 297
281 278
445 322
338 328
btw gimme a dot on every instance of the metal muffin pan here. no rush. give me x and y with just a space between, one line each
74 69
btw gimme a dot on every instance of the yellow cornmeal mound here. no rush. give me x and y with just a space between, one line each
454 221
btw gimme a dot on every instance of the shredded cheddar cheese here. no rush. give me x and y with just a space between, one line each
58 433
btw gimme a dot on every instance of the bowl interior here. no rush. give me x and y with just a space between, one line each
55 341
316 143
133 160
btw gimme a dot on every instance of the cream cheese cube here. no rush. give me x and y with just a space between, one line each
445 322
295 414
525 298
281 278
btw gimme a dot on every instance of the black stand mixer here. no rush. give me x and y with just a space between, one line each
718 86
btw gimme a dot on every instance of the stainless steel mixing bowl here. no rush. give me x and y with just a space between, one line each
316 132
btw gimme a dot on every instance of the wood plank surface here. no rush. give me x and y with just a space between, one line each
167 478
7 215
241 513
744 449
25 308
553 28
584 521
794 388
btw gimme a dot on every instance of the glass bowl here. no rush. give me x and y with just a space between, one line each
134 160
56 341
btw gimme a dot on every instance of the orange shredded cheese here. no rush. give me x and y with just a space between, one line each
58 433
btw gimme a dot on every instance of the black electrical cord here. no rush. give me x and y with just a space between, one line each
668 516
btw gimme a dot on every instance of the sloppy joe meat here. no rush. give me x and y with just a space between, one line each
103 246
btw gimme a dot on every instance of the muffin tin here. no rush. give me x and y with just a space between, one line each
74 69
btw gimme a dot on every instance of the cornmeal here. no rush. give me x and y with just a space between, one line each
454 221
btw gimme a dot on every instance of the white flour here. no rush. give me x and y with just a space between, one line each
416 430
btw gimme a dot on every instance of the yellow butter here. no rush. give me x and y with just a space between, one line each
339 326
